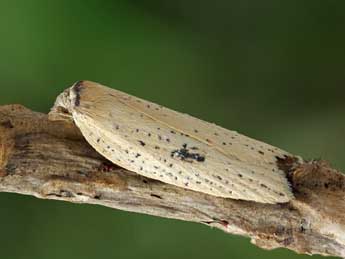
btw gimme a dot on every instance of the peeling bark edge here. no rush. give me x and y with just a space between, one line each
51 160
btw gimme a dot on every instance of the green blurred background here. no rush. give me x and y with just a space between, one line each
273 70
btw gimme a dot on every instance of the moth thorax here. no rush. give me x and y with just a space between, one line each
74 94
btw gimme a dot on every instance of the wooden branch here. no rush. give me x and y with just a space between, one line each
51 160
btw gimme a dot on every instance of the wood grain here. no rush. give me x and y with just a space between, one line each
51 160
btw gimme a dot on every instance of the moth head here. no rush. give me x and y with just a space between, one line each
66 102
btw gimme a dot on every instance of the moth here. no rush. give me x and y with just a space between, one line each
173 147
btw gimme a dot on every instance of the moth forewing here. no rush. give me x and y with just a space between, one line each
176 148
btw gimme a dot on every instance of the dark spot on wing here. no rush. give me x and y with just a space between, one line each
185 155
141 142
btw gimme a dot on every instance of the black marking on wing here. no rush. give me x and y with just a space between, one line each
185 155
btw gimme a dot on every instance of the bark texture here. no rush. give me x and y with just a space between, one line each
51 160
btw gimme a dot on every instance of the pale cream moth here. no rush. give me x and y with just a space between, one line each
173 147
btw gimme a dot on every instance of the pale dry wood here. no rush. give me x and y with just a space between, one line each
51 160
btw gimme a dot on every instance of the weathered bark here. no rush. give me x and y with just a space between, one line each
51 160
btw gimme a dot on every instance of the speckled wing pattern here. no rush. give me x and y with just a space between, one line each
176 148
